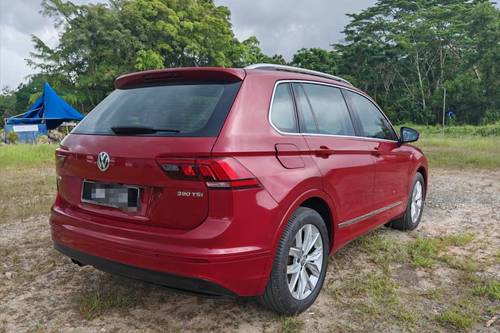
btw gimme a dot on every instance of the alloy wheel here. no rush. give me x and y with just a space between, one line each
416 201
305 262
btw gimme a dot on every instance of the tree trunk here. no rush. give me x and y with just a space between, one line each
420 82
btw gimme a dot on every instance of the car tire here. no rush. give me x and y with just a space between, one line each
411 219
289 293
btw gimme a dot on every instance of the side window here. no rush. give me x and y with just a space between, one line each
307 120
282 110
373 122
329 109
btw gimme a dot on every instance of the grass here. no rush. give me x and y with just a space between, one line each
419 252
26 156
489 289
290 325
99 302
27 186
374 295
383 288
26 192
465 152
460 146
456 319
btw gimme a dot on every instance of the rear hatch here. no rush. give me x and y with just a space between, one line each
135 156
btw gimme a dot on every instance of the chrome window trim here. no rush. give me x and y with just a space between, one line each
328 135
368 215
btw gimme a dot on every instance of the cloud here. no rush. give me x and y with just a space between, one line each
18 21
284 26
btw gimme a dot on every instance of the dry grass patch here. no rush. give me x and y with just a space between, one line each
26 192
290 325
390 288
102 300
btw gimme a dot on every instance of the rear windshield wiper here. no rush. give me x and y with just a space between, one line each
140 130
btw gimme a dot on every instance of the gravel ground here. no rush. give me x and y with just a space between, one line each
40 290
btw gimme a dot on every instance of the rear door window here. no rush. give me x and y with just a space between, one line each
330 114
179 109
282 109
308 123
373 122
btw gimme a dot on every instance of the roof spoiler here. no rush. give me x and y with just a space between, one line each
152 77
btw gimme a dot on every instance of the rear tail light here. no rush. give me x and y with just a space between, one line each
219 173
61 156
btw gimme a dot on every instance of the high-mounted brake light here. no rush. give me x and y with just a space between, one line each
219 173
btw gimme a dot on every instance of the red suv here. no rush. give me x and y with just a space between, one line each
233 182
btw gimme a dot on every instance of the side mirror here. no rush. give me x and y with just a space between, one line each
408 135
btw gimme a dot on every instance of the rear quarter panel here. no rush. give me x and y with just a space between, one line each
248 136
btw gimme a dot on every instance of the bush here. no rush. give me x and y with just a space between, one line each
42 139
459 131
12 137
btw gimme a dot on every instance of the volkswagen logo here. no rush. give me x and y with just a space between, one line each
103 161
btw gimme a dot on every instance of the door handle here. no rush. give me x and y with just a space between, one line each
324 152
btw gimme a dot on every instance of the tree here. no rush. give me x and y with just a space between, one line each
406 52
7 103
250 53
316 59
99 42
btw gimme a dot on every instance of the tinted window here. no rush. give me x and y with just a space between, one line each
190 109
282 110
307 120
329 109
373 122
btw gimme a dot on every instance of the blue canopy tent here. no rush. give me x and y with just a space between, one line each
48 112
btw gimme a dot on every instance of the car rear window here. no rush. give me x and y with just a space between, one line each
180 109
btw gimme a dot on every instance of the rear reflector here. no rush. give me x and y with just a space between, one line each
219 173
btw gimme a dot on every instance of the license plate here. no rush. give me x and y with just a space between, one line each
112 195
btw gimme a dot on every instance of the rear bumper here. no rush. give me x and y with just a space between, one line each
172 281
201 260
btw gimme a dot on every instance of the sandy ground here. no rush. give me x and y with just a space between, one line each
41 291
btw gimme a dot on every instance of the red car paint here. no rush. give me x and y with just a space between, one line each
227 236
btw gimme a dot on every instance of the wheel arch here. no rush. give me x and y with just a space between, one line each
313 198
423 171
321 206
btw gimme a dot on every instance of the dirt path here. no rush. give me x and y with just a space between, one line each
372 284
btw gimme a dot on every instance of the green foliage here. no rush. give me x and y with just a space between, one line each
7 103
317 59
12 137
100 42
148 59
27 155
461 152
490 289
404 53
490 130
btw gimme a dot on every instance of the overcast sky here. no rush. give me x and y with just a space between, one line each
282 26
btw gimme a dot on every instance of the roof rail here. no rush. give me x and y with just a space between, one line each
297 70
